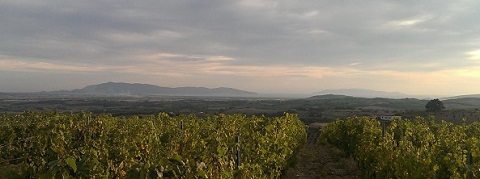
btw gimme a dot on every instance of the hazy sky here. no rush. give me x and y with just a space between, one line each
411 46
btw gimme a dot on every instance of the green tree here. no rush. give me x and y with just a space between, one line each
434 105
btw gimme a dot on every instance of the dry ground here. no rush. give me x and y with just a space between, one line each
321 160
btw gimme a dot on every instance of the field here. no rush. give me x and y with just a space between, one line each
417 148
236 137
325 108
82 145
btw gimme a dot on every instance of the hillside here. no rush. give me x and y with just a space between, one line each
465 96
364 93
462 103
349 102
137 89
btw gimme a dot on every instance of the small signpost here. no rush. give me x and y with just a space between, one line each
238 152
384 120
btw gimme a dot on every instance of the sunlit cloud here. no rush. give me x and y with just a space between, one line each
309 14
216 65
135 37
473 55
317 32
410 22
21 65
407 22
173 57
162 55
219 59
355 64
473 72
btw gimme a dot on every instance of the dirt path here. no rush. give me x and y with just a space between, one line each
321 161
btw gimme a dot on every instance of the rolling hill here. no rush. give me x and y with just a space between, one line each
365 93
350 102
137 89
465 96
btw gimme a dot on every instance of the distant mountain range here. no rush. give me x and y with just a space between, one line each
143 90
127 90
389 103
350 102
137 89
464 96
366 93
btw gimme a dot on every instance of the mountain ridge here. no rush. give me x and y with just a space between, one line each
139 89
463 96
365 93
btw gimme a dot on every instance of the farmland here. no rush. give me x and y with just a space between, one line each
84 145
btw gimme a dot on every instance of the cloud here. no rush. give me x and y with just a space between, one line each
258 32
355 64
410 22
22 65
259 3
134 37
473 55
307 41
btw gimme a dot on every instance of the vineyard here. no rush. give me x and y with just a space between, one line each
418 148
46 145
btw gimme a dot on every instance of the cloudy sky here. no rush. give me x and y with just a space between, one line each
268 46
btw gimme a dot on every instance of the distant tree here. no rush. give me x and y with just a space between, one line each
434 106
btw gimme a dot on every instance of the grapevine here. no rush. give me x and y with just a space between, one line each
46 145
417 148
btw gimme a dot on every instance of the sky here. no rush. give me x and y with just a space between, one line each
268 46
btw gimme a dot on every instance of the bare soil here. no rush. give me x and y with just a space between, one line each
316 160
